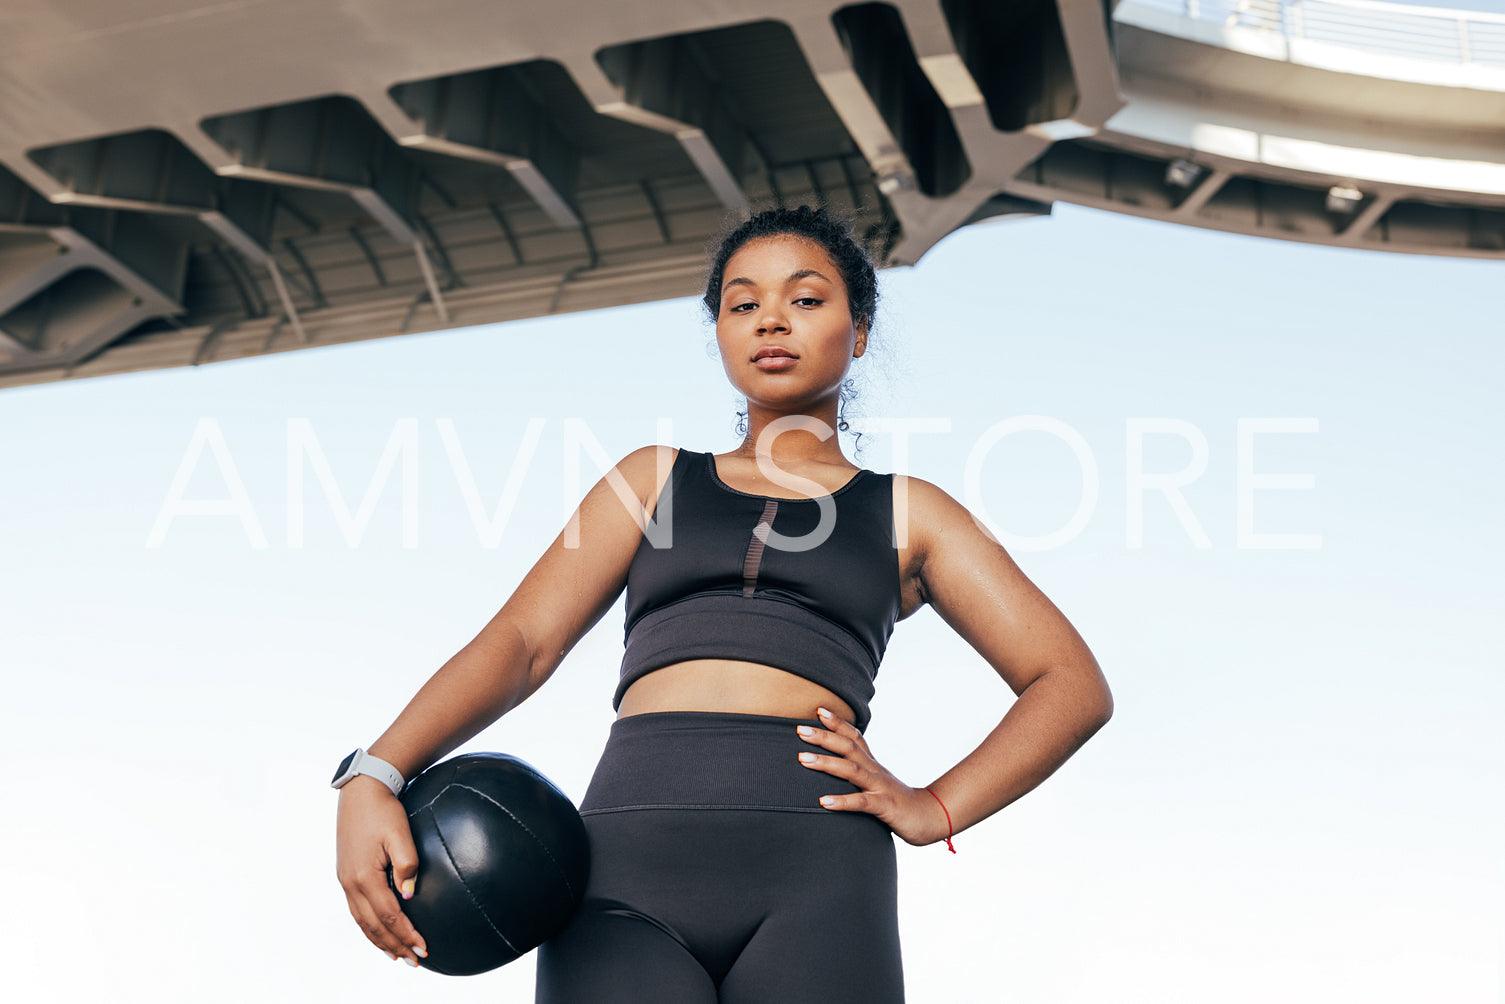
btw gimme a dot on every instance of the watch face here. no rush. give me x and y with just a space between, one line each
344 766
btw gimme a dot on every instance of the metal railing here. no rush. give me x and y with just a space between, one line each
1389 29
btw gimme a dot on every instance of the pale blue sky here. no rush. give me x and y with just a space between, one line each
1298 798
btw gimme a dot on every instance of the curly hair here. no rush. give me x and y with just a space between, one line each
836 237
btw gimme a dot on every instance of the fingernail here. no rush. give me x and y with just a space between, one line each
407 889
804 730
827 800
823 712
391 955
807 758
410 961
419 951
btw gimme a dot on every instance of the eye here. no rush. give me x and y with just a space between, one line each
809 301
741 308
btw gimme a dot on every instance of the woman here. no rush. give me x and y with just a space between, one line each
741 828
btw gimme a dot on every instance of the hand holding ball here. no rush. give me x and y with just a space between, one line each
503 860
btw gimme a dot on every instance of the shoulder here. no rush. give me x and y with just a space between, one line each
646 469
935 521
646 460
929 506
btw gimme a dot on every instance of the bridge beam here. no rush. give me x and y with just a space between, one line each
330 144
74 278
152 171
491 117
663 84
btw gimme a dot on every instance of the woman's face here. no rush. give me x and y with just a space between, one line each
785 326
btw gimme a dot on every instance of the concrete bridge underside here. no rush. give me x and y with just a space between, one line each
183 181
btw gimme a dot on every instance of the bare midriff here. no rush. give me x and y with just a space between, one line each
728 685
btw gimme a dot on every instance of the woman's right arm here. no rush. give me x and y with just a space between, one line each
567 591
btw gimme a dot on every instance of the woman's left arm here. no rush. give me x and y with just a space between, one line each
970 580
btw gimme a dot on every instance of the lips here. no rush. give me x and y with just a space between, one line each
774 359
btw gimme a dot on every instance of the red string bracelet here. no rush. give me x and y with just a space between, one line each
949 830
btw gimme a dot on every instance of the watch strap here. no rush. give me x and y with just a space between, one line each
372 766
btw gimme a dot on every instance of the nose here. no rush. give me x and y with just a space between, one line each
771 320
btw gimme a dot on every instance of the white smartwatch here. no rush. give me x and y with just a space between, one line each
361 762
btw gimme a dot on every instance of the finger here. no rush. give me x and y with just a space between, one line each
403 937
837 744
365 917
404 861
369 922
838 766
820 737
842 727
858 802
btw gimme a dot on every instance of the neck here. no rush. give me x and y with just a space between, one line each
791 439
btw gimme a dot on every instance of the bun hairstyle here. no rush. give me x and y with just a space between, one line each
833 234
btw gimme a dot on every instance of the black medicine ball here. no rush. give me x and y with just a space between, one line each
502 861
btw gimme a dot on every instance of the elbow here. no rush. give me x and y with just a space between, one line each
1102 707
519 667
1091 699
1081 695
1105 710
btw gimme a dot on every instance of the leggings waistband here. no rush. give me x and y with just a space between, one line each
708 759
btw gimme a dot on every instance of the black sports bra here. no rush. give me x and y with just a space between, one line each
766 580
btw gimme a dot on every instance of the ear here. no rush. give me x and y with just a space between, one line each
861 345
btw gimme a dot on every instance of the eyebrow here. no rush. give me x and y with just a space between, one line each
804 273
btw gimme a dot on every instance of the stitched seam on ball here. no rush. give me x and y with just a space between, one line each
564 876
472 896
426 805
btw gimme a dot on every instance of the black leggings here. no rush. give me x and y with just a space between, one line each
717 877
